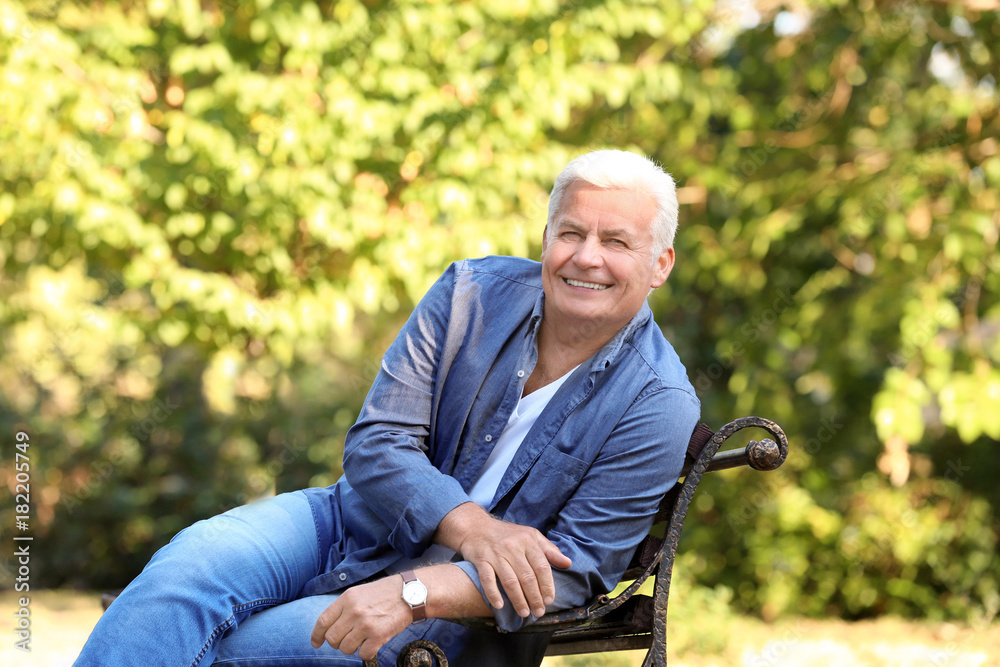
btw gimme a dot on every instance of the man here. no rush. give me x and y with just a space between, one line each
510 454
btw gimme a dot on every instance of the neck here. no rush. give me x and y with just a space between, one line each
561 349
572 343
577 339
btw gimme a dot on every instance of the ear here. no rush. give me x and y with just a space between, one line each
545 238
662 267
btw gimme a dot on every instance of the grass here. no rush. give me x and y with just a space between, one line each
887 642
702 633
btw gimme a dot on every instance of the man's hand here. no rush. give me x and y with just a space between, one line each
519 556
364 618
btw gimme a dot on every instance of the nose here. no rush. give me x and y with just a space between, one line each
588 253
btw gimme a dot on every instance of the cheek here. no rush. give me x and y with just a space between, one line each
554 257
624 270
639 281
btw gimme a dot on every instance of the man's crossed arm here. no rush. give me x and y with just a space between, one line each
365 617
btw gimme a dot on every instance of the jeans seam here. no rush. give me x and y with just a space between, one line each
228 623
319 540
321 556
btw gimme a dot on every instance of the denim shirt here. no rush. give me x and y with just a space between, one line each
589 474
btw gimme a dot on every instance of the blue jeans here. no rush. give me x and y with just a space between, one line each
225 591
228 591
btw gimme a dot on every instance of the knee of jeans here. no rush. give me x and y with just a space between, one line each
205 530
241 530
205 541
262 532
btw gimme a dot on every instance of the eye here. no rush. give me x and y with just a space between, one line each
570 235
617 243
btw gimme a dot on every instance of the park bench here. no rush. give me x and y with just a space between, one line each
631 620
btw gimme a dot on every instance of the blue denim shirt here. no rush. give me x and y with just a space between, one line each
589 474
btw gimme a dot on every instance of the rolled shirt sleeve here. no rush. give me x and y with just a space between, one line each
386 452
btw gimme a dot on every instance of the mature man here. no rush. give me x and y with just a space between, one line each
510 454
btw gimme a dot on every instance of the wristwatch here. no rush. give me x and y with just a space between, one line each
415 595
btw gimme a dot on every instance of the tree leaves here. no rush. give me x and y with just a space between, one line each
230 208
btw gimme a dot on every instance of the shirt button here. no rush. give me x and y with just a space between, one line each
343 576
520 374
489 438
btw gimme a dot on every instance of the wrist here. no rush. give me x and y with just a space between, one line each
451 592
459 524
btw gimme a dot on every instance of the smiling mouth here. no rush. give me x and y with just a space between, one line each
580 283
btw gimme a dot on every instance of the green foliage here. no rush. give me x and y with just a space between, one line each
215 215
598 660
927 552
688 602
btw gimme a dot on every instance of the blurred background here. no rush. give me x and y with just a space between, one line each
215 215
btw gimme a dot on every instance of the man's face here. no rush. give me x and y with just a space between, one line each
598 267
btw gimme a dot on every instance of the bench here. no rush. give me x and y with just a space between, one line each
631 620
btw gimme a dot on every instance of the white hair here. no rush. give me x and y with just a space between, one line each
620 170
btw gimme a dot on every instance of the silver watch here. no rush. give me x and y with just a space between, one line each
415 595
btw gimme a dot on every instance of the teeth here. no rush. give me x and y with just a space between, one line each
580 283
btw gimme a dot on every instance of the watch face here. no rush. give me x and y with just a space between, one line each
414 593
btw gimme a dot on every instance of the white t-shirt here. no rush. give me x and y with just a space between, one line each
521 420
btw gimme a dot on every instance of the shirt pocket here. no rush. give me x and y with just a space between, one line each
546 488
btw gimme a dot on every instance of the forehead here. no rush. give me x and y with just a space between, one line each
583 203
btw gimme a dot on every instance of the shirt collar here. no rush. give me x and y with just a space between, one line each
536 315
607 354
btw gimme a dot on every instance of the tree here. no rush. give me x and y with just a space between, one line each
215 216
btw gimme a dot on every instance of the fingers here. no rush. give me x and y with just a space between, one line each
534 582
544 583
488 578
363 618
521 558
521 587
368 650
556 557
350 643
526 578
550 556
538 582
347 640
512 583
323 624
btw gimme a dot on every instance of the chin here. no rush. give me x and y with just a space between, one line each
592 315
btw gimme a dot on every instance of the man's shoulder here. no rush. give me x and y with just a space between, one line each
655 353
502 268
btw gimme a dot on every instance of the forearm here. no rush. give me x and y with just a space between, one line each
365 617
451 593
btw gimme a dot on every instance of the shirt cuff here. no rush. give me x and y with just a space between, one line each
414 531
506 618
